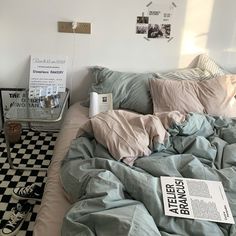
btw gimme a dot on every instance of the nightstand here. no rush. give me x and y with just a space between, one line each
30 110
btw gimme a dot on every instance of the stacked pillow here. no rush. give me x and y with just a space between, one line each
202 67
187 73
174 95
204 62
206 89
214 96
132 91
218 95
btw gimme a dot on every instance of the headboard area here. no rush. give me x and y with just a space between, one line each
203 87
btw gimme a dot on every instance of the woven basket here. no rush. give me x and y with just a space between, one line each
13 131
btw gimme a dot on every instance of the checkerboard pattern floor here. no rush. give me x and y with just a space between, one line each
35 149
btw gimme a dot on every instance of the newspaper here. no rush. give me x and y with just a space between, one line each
100 103
195 199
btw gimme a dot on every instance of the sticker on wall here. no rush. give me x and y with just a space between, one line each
157 24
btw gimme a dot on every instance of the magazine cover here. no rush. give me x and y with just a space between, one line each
100 103
195 199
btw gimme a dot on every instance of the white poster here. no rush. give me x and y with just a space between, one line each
47 75
157 23
195 199
160 16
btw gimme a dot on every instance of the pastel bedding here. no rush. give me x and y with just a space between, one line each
110 196
106 181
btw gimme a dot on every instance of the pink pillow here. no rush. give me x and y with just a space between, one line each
175 95
217 95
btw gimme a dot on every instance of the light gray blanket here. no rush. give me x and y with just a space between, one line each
111 198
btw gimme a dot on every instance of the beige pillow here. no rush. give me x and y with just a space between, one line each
217 95
175 95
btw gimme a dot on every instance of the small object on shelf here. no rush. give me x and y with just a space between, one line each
51 101
13 131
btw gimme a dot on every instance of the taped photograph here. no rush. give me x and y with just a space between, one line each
159 31
142 20
141 29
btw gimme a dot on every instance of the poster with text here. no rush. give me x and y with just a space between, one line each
160 20
195 199
47 75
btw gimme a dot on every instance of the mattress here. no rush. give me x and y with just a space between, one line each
55 203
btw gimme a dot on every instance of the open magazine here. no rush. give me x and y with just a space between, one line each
100 103
195 199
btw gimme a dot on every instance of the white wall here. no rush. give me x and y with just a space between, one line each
30 27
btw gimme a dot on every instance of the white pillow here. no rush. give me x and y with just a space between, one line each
201 68
206 63
186 74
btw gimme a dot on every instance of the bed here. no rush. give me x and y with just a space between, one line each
55 203
122 194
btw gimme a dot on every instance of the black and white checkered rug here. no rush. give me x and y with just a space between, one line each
35 149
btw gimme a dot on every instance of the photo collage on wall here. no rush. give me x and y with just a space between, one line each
157 23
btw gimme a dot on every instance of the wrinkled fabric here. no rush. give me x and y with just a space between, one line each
127 135
110 196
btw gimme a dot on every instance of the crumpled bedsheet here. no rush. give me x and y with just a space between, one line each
112 198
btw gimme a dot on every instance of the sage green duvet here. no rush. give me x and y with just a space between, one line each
111 198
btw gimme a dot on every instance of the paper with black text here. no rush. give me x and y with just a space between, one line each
100 103
47 75
195 199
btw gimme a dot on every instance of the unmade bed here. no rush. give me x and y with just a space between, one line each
114 180
104 177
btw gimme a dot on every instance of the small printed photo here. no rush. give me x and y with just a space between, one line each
142 20
141 29
166 29
154 31
159 31
104 99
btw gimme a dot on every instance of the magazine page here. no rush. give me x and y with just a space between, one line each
93 107
105 102
100 103
195 199
47 75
